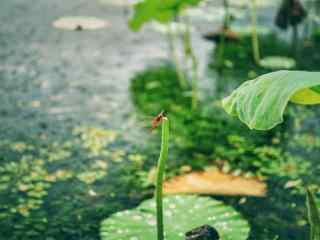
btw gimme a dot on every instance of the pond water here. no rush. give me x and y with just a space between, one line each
72 150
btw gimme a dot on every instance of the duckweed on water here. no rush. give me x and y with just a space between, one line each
63 174
95 140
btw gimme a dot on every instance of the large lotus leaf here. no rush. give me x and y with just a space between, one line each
181 214
260 103
162 11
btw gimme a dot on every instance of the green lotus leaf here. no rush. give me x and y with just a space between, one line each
260 103
162 11
181 214
316 89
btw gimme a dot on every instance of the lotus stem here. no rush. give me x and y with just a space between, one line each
189 54
226 25
160 173
255 39
194 82
313 215
172 48
294 41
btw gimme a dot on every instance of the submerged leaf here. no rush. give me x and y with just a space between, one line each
182 214
260 103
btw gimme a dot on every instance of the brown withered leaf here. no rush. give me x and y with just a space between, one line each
215 183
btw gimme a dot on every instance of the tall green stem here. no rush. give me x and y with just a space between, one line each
194 82
226 26
313 215
160 172
172 47
189 53
294 41
226 22
255 40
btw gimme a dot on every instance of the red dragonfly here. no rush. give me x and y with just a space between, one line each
157 119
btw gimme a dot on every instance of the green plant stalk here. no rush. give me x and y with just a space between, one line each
172 48
195 78
221 52
160 173
294 41
255 40
189 53
313 215
226 25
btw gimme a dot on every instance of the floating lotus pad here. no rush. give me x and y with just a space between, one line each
177 28
209 13
181 214
277 62
247 30
80 23
260 103
206 14
246 3
119 3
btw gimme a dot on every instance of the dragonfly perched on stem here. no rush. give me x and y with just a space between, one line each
157 120
148 122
